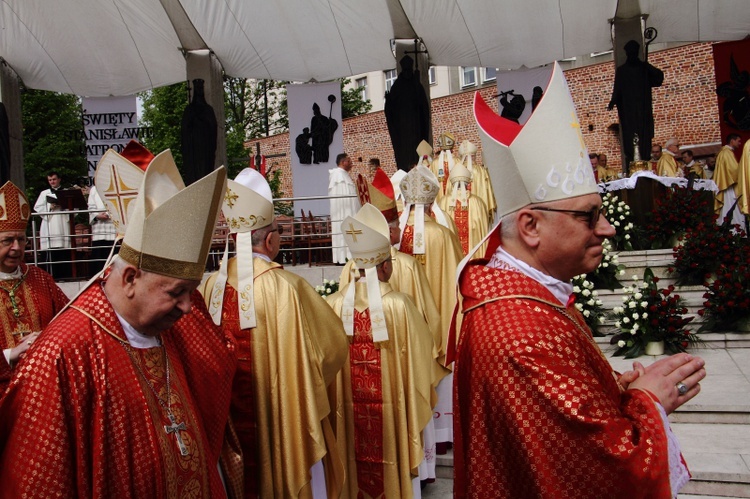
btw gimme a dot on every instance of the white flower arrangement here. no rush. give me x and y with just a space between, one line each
327 288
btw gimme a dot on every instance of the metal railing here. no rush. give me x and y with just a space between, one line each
305 240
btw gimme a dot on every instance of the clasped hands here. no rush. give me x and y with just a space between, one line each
663 377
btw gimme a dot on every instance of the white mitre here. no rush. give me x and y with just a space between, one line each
420 188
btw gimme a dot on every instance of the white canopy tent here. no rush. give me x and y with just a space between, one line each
119 47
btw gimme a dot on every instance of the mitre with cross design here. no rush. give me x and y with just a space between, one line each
248 206
367 236
543 160
118 177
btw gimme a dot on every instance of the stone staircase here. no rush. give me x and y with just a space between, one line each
714 427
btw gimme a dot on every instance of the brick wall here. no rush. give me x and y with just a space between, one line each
684 107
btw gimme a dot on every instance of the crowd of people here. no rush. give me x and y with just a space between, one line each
447 330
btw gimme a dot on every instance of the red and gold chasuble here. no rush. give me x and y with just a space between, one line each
26 305
461 217
243 393
367 404
99 428
538 411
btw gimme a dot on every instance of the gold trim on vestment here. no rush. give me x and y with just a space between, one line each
160 265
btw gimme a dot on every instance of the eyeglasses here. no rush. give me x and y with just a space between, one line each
279 229
592 216
8 241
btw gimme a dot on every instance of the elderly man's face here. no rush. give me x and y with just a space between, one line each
160 301
12 246
567 246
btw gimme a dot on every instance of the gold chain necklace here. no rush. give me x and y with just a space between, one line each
175 427
12 295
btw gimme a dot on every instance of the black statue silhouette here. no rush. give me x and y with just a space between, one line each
303 148
322 129
514 109
198 136
407 114
632 95
736 106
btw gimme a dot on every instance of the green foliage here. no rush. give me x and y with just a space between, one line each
162 112
52 139
351 101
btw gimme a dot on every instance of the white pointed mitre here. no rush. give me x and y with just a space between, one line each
543 160
368 238
117 182
466 147
248 205
459 173
424 149
170 226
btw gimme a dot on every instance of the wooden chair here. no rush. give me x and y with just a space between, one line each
321 239
288 238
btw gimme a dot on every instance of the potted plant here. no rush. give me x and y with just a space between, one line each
727 305
650 315
678 210
588 303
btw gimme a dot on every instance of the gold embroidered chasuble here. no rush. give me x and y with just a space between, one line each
384 397
441 258
471 221
285 366
667 166
725 176
409 277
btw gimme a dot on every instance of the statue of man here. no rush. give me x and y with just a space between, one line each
632 95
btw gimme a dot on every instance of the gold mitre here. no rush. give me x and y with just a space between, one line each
447 140
170 227
424 149
543 160
248 204
14 208
419 186
368 238
459 173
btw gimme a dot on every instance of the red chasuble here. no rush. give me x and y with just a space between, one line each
26 305
538 411
461 218
80 420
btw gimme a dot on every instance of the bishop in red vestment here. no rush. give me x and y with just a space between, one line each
126 393
539 412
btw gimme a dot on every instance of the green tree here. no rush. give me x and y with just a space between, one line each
52 139
162 113
351 101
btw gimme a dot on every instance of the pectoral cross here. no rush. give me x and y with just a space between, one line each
176 429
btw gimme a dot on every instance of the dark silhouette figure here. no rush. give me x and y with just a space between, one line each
407 114
536 96
736 106
514 109
4 145
198 136
303 148
632 95
322 129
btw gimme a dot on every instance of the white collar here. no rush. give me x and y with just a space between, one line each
135 338
561 290
9 276
262 256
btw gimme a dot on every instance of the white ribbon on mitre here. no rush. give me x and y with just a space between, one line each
248 206
420 188
367 236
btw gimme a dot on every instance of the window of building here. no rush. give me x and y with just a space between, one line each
390 79
432 75
361 84
468 76
489 74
